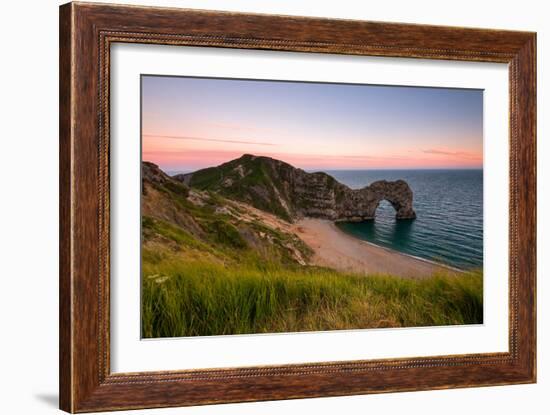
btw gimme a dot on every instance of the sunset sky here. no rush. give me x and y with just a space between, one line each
192 123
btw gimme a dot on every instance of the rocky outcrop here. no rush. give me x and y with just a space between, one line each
150 172
361 204
291 193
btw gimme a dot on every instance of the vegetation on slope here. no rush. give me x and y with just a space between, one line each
174 215
199 297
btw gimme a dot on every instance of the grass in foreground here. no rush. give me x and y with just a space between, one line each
195 297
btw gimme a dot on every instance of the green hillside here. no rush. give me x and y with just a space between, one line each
258 181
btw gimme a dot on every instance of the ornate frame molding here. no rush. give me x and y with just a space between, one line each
86 33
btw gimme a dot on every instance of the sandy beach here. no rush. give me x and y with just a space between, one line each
335 249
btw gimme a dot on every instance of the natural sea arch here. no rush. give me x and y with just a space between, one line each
361 204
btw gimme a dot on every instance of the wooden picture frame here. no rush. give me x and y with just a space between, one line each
86 33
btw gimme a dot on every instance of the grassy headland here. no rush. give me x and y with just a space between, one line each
214 266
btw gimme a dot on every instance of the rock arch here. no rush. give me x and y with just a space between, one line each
399 194
361 204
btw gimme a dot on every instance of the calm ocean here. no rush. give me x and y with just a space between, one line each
449 210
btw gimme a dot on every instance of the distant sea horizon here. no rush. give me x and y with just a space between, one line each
328 170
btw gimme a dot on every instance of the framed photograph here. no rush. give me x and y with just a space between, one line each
258 207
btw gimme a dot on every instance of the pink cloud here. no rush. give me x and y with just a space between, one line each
457 154
216 140
196 159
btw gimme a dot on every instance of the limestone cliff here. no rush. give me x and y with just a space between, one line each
291 193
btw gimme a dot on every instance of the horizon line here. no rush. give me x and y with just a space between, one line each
171 172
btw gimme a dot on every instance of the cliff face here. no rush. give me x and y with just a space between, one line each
290 193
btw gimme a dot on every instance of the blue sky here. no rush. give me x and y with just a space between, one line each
190 123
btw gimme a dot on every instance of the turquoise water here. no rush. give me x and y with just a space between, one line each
449 210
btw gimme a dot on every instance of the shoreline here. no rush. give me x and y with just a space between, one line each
336 249
429 261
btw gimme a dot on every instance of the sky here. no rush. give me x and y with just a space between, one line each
193 123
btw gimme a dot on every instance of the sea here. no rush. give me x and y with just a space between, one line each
449 215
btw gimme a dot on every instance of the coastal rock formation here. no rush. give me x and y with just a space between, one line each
290 193
361 204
